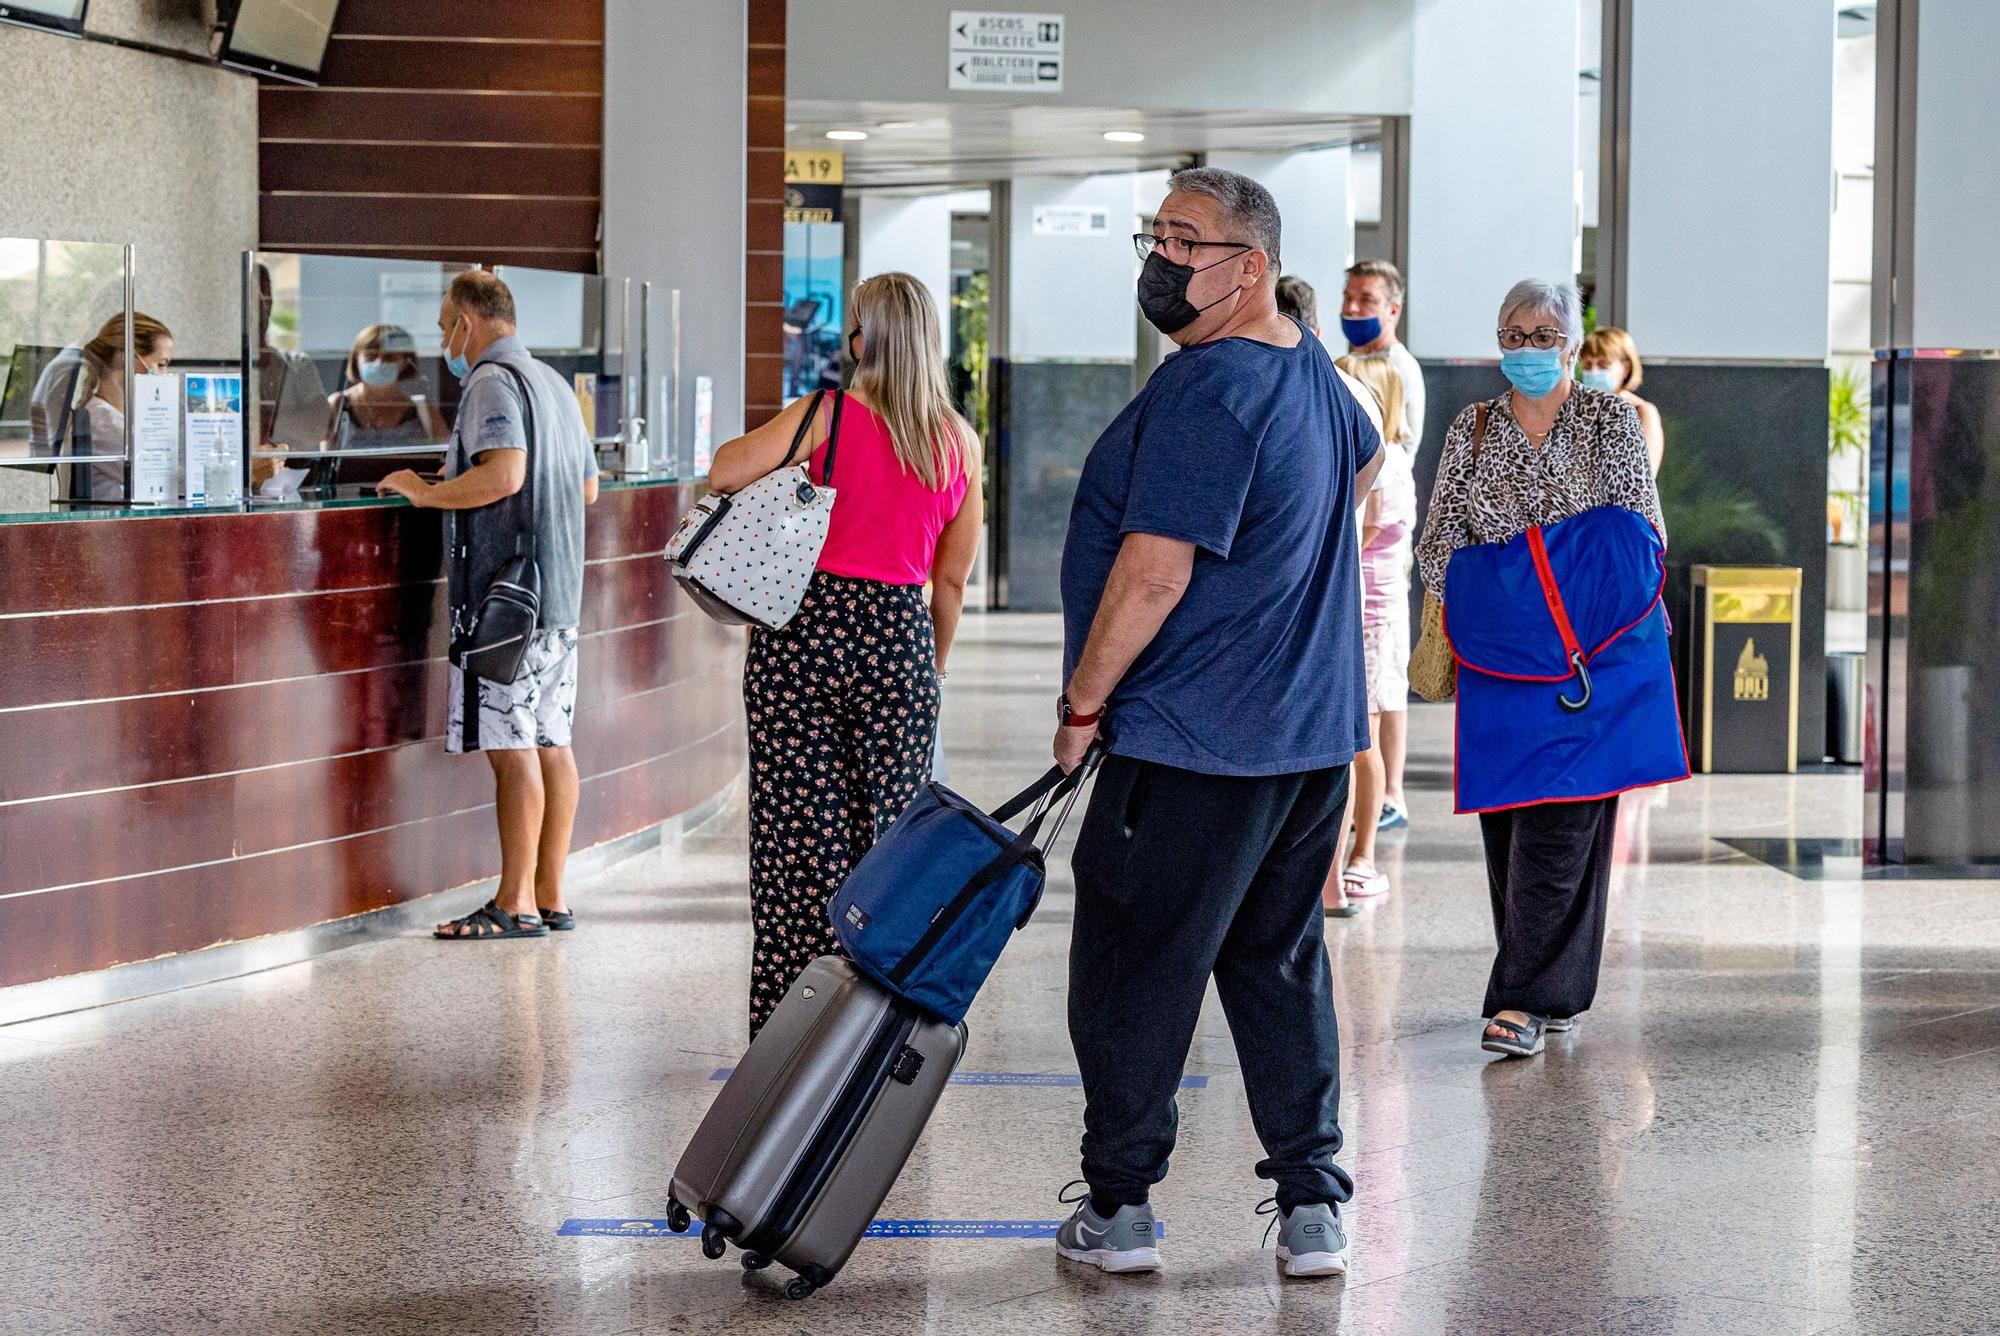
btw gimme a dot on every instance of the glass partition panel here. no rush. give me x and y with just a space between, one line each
572 321
66 352
343 366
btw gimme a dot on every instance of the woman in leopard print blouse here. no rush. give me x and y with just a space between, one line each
1552 449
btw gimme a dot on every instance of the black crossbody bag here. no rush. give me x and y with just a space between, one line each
504 621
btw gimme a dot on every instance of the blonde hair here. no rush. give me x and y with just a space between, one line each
1379 374
106 352
1612 344
901 372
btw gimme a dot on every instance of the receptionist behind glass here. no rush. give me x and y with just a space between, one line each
380 407
97 426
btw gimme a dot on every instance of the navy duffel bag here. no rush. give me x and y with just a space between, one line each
928 910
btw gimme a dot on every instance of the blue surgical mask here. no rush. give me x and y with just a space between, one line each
456 363
1533 371
1600 378
379 375
1360 331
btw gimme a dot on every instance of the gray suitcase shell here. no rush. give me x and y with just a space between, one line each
808 1135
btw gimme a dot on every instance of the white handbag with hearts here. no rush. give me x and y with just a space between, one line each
746 559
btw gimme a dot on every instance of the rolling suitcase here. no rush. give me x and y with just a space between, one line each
808 1135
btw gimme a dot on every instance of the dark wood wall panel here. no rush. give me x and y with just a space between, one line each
516 20
447 169
764 217
186 771
499 98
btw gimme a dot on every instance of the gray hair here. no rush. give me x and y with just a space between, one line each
1243 202
1560 302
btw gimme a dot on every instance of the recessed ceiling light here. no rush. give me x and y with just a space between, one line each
1125 136
847 136
895 125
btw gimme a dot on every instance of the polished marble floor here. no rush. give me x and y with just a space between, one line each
1781 1117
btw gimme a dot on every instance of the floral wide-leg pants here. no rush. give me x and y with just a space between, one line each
843 705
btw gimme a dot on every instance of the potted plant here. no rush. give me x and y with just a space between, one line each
1846 501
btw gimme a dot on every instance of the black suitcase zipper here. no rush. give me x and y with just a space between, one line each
835 1134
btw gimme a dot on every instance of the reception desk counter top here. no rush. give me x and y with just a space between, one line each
216 725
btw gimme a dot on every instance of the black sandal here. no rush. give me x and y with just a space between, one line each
489 923
1520 1041
559 920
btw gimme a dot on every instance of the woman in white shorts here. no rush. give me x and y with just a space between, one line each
1388 519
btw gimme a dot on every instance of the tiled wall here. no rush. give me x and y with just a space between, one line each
764 216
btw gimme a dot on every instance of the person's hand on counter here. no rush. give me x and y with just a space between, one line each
406 484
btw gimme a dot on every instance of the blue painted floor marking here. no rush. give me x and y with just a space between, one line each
1059 1079
880 1229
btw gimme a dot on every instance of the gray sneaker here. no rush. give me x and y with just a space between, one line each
1312 1241
1128 1241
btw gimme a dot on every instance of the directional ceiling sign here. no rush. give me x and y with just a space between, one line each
1004 52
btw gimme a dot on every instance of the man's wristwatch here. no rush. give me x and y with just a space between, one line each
1071 719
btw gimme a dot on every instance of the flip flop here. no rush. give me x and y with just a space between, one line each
1348 910
1520 1041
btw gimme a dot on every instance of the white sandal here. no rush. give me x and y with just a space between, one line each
1361 885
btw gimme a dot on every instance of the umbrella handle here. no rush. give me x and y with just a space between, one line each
1582 672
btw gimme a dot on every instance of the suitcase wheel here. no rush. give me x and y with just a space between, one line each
678 1218
800 1288
713 1242
755 1261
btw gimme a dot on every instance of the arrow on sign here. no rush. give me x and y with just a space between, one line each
961 30
961 69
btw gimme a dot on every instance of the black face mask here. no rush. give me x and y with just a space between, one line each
1163 287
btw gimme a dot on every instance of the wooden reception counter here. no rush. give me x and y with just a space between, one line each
218 725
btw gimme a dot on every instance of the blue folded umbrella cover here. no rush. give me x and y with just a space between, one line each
1520 615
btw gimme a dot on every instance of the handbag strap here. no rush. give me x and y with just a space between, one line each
805 425
525 542
832 434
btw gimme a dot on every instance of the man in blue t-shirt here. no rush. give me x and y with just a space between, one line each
1212 618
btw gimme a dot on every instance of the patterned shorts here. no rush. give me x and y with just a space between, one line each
536 709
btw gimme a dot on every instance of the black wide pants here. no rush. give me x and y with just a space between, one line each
1179 876
1548 868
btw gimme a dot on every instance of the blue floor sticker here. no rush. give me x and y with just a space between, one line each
881 1229
1067 1079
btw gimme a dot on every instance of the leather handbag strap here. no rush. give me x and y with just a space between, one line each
461 520
805 425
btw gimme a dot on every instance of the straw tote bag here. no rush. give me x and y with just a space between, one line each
746 559
1433 666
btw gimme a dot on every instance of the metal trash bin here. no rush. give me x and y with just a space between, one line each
1846 700
1743 705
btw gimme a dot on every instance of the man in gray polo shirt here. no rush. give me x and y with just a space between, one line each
523 726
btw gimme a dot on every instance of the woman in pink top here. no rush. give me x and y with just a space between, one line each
843 699
1387 519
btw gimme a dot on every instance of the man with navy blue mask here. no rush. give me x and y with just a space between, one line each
1212 635
1370 309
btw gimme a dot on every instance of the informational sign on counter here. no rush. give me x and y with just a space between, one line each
995 51
704 424
213 432
156 436
1071 220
